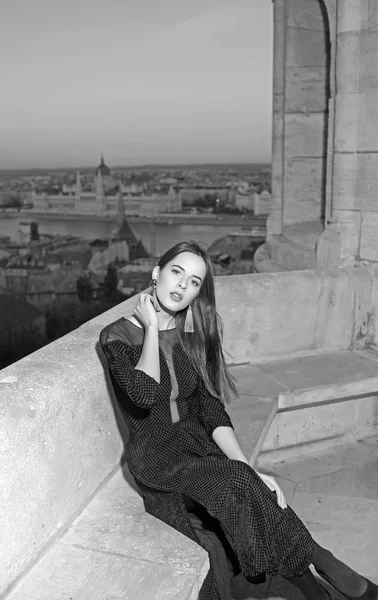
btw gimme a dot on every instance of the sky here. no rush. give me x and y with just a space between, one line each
141 81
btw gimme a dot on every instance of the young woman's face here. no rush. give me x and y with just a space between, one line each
180 281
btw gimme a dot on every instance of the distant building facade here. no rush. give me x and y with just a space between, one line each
189 195
259 204
102 198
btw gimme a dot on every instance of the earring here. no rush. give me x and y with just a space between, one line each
188 325
155 300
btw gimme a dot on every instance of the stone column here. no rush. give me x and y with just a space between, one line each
274 222
306 110
352 233
331 7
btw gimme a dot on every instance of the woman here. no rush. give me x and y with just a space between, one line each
171 381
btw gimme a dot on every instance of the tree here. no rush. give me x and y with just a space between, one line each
12 200
84 288
34 233
111 281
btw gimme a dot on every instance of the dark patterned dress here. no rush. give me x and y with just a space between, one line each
173 457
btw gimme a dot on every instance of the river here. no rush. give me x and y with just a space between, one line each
156 237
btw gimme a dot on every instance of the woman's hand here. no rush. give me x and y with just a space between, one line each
145 312
273 485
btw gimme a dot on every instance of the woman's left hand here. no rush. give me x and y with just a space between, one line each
273 485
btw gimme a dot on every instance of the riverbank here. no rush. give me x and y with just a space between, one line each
156 236
164 219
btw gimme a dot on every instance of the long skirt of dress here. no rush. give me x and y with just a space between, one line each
264 537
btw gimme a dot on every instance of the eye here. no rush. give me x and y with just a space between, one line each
195 282
175 271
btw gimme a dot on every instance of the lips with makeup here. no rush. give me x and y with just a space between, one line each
176 296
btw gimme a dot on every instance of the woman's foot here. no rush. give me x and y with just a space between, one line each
370 589
327 594
341 577
310 587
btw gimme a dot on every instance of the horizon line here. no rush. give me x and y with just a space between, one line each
140 166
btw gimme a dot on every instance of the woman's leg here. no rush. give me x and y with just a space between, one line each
309 587
342 577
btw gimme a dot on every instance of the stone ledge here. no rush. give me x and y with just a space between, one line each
322 378
72 572
325 400
328 393
114 548
114 534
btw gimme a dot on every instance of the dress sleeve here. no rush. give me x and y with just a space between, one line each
140 387
213 411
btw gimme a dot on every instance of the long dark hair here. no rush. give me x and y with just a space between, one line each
204 346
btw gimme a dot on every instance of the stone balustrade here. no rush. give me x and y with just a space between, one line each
62 435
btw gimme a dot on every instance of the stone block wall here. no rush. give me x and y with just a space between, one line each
356 143
283 314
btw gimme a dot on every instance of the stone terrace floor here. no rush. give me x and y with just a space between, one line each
335 492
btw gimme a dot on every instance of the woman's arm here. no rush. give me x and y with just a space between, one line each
140 387
226 440
140 381
149 359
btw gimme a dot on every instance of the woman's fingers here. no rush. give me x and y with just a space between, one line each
145 310
273 485
280 496
281 499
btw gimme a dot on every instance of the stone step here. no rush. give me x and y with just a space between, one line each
289 254
324 399
320 378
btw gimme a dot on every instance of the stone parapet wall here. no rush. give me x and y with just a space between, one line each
62 436
60 441
289 313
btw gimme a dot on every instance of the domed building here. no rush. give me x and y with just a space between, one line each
104 178
103 169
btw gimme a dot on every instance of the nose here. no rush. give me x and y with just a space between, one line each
182 285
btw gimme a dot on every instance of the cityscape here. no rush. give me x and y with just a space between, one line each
73 243
114 147
229 452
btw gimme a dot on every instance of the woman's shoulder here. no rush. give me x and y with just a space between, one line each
125 330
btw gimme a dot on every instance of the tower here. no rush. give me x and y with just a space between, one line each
100 192
120 209
78 188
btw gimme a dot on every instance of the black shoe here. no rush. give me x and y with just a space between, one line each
371 592
326 591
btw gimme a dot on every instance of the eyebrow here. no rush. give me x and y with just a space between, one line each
182 269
